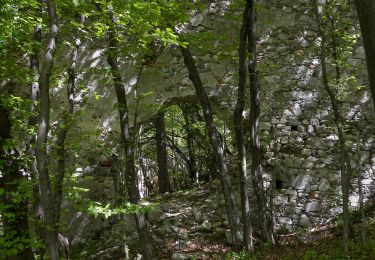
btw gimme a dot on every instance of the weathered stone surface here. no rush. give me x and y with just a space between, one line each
179 256
302 182
324 185
285 221
304 221
313 207
206 225
280 199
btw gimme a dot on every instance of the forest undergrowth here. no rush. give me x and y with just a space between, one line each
190 225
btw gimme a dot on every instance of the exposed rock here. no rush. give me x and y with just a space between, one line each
198 217
313 207
302 182
285 221
280 199
324 185
304 221
179 256
206 225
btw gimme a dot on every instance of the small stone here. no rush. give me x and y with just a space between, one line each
332 137
285 221
198 217
302 182
179 256
264 126
206 225
324 185
306 152
184 235
280 200
310 129
304 221
284 140
313 207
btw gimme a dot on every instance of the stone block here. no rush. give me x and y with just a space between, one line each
313 206
304 221
302 182
324 185
285 221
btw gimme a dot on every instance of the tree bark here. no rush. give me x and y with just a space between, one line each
128 142
366 15
161 147
32 122
189 111
16 230
256 167
217 146
360 192
65 126
338 122
238 122
47 199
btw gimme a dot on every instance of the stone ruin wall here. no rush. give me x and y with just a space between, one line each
297 115
296 111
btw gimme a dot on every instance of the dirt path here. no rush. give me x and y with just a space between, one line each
190 225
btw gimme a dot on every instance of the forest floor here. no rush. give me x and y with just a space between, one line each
194 227
191 224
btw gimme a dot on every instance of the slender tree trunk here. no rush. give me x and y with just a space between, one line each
128 142
65 126
115 173
164 185
338 121
47 199
189 113
366 15
217 146
238 122
360 191
15 230
345 153
32 122
256 167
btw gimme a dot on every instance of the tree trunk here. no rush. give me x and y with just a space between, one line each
238 122
47 199
16 230
366 15
360 192
217 146
65 126
128 142
189 112
164 185
32 122
256 167
338 121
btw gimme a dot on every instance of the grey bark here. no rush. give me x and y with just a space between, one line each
32 122
161 148
338 122
128 141
256 167
47 199
238 122
65 126
360 191
217 146
366 15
